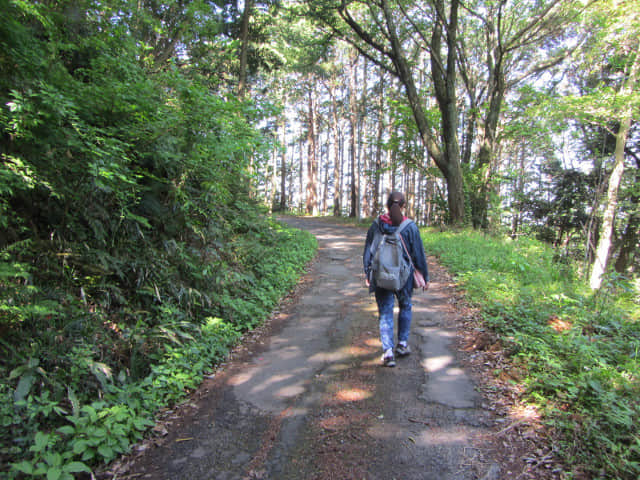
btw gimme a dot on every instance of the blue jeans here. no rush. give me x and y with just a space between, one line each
385 300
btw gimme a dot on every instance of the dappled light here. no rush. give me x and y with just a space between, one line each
186 188
352 395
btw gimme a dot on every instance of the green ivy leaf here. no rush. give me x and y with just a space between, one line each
76 467
24 467
67 430
106 452
79 447
54 473
41 442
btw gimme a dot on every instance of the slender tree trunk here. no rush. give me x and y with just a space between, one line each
337 164
274 180
378 155
629 242
394 166
342 167
631 234
244 47
312 161
325 191
301 175
283 170
607 229
353 123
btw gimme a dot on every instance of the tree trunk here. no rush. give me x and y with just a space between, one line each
283 171
244 47
485 164
631 235
301 189
312 161
378 155
448 161
353 124
629 243
607 228
337 165
362 145
444 81
325 190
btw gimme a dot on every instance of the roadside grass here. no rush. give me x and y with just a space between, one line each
578 349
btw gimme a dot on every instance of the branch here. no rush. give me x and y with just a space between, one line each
364 35
413 24
539 68
474 13
347 38
376 61
513 43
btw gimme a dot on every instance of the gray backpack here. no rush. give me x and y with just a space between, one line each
390 270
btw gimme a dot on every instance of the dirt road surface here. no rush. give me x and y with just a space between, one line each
306 397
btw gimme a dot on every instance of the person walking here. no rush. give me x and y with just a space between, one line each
413 252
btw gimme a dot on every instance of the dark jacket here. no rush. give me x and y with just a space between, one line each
411 237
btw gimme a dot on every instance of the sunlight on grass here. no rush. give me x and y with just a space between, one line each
578 349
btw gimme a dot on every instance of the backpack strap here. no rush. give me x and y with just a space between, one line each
377 238
405 223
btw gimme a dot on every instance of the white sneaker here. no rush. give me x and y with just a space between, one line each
402 350
388 359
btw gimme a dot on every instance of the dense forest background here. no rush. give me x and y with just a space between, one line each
145 143
511 116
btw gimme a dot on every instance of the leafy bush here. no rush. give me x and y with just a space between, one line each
579 348
132 256
82 389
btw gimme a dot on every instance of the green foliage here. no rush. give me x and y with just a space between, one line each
579 349
131 255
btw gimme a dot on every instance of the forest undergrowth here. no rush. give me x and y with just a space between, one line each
575 351
88 360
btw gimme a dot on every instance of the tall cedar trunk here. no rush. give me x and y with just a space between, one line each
244 47
312 161
607 228
362 145
353 120
274 180
378 156
411 193
394 166
325 189
342 168
337 165
301 174
283 169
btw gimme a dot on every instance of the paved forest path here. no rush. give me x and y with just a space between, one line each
305 397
